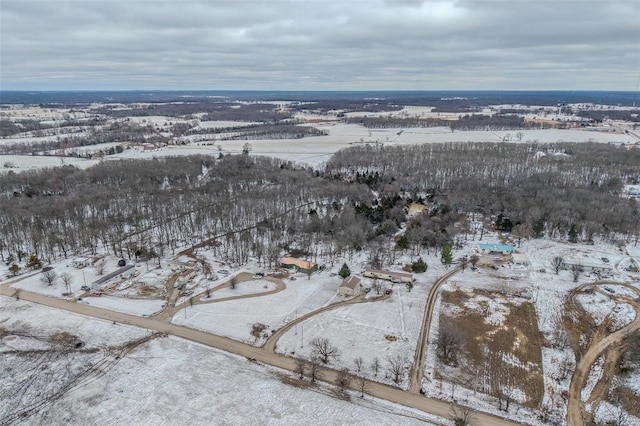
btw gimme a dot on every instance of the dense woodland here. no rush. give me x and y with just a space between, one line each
243 206
553 190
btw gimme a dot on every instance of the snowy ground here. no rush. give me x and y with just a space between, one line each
171 381
234 318
360 330
242 289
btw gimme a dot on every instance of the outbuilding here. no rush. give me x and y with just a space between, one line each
350 286
520 259
496 248
396 277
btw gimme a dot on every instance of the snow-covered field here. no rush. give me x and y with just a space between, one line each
317 150
234 318
171 381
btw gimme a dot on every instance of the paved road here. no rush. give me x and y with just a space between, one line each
417 372
575 406
378 390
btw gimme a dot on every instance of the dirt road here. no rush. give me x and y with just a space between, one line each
378 390
576 416
270 343
423 338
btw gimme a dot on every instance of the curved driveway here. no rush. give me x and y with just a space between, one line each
576 414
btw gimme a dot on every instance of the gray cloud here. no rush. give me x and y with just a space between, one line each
314 44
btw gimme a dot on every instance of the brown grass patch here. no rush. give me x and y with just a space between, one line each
490 352
293 381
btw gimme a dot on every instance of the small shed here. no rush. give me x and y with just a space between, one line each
350 286
304 266
520 259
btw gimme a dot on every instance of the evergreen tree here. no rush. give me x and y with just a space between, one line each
446 256
573 234
419 266
402 243
34 262
344 271
14 269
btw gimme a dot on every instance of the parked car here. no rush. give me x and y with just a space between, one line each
85 288
223 271
188 292
181 286
604 259
97 293
609 289
618 308
258 275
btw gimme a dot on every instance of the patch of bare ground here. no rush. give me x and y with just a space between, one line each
147 291
293 381
580 326
502 359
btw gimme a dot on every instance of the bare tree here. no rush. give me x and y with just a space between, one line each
557 262
67 280
376 286
48 277
359 362
397 365
343 379
461 416
301 366
375 366
314 370
448 344
257 329
575 271
324 350
363 385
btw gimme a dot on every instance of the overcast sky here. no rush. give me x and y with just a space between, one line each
320 45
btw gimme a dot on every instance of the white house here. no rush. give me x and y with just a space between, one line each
519 259
350 286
